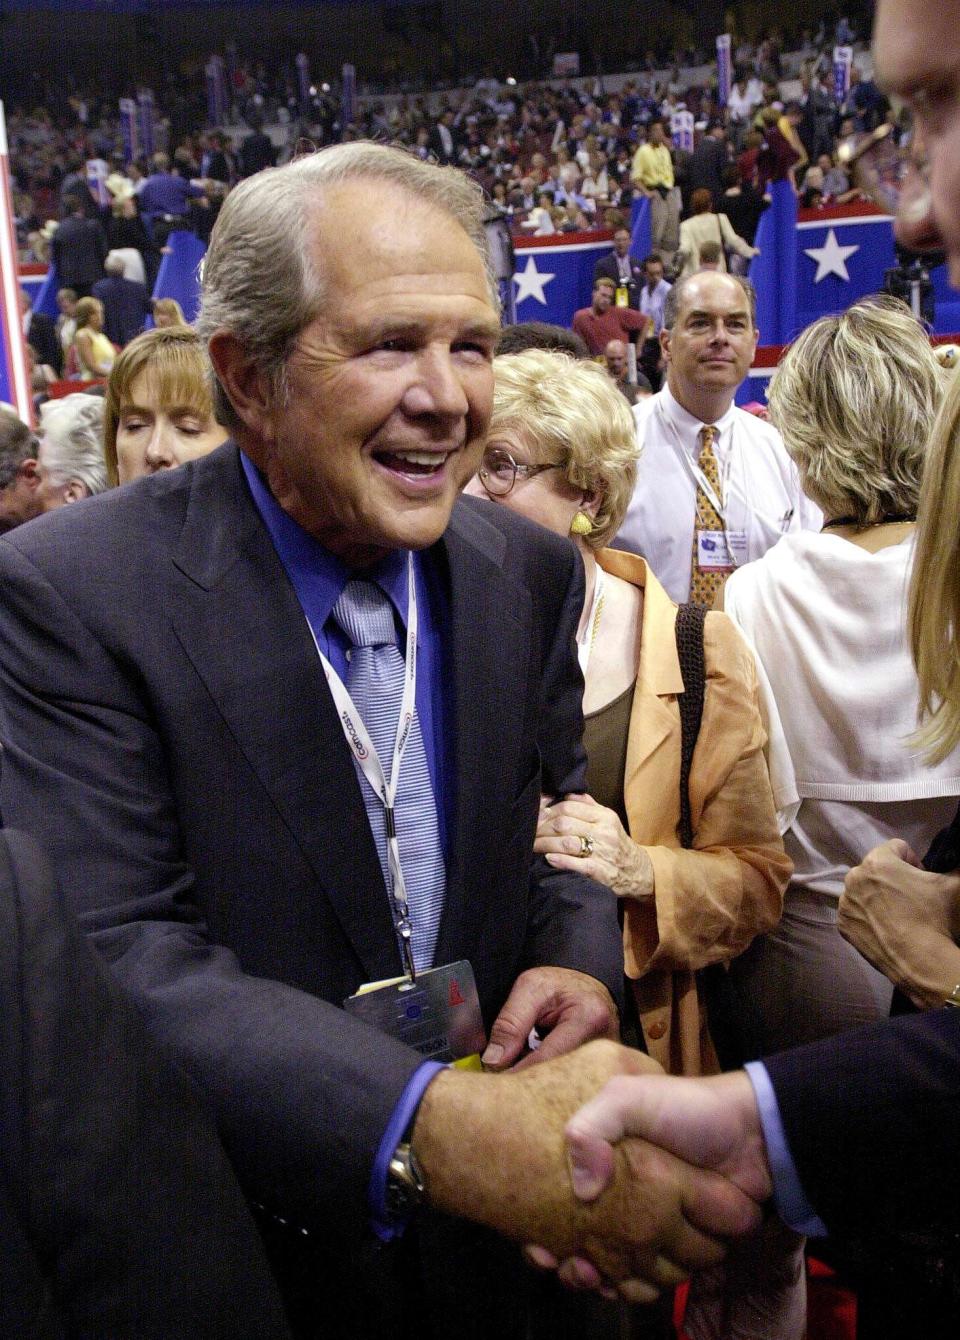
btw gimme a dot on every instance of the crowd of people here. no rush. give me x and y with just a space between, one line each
553 156
389 688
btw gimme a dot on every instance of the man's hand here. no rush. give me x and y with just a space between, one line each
492 1150
904 920
615 859
567 1008
712 1123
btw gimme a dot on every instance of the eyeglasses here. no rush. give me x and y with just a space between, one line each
894 177
498 471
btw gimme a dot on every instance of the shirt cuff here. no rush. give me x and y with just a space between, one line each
789 1196
385 1225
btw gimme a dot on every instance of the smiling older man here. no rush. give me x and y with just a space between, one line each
294 744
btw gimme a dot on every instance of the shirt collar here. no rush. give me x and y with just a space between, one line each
688 425
318 577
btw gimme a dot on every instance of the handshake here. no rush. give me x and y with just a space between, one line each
625 1179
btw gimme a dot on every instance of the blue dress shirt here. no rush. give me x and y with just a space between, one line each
789 1196
318 578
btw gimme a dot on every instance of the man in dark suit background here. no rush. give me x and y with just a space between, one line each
78 249
444 141
209 814
258 150
625 270
41 333
113 1184
710 157
126 304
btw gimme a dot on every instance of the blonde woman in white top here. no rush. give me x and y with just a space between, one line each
855 399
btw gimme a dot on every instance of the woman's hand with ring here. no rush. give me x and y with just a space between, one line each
578 834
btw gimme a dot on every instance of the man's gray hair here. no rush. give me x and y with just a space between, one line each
17 444
71 444
259 277
674 299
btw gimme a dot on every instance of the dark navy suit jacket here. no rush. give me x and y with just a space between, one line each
608 268
113 1185
871 1119
209 821
126 305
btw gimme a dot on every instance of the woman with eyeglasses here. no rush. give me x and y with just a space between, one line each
562 451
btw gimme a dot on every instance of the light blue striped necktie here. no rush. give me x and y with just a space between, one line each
375 679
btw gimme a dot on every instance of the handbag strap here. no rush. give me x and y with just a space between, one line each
689 633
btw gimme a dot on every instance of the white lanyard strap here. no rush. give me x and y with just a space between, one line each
368 760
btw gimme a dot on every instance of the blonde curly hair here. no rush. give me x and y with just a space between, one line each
569 412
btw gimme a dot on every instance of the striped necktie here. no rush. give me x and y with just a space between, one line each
375 680
705 582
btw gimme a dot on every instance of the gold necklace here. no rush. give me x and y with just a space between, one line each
596 619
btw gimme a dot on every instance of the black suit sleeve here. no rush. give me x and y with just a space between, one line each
871 1120
121 1187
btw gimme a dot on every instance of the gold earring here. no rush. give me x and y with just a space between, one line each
582 524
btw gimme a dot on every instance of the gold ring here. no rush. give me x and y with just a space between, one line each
586 846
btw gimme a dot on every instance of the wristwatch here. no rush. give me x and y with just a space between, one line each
405 1186
953 999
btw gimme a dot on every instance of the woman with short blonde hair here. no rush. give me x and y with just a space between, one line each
562 451
578 419
855 399
94 352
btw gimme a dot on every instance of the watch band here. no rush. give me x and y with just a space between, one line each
405 1185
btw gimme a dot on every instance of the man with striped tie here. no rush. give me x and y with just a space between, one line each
715 487
283 719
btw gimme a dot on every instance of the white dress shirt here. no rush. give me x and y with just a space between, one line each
651 304
759 486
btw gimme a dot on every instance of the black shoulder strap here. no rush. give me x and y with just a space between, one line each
944 854
690 619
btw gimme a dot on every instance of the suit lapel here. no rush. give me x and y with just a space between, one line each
239 622
490 637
